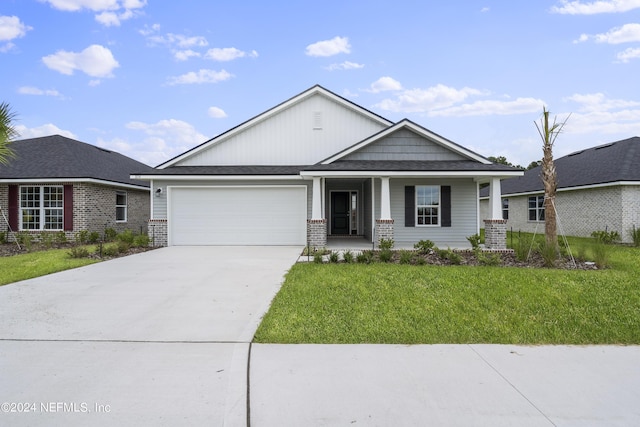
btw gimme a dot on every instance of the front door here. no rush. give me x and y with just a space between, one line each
340 202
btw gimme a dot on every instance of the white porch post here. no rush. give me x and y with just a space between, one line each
385 199
316 209
495 199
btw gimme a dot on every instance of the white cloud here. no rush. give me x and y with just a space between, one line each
216 113
491 107
427 100
484 9
202 76
44 130
228 54
32 90
590 102
95 61
384 84
164 140
112 12
183 55
591 8
346 65
176 40
12 28
598 114
625 34
628 54
329 47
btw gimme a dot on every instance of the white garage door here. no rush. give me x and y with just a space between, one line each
237 215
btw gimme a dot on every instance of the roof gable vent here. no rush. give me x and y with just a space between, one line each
317 120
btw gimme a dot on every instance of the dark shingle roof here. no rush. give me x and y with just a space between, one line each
227 170
57 157
613 162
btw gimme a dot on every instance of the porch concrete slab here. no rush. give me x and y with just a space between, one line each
444 385
179 293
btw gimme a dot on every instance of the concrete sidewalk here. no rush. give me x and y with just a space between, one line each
444 385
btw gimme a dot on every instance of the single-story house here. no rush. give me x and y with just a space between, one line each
318 166
59 184
598 190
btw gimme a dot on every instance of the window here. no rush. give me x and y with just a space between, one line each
536 208
427 205
505 208
121 206
41 208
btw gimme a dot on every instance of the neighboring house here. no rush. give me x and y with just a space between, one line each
598 189
59 184
318 166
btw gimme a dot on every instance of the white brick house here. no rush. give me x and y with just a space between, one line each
598 189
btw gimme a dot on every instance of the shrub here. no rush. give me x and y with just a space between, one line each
78 252
549 254
365 257
110 250
635 236
475 241
424 246
333 257
347 256
94 237
385 244
522 247
3 237
25 239
385 255
110 235
60 237
82 236
123 246
47 240
487 258
126 236
449 255
406 257
600 252
141 241
606 237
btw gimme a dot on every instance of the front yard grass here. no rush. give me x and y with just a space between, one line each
35 264
406 304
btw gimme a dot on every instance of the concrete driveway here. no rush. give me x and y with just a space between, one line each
159 338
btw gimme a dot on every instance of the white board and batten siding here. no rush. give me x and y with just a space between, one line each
303 134
237 215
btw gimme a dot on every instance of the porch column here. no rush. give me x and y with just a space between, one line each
384 225
495 199
317 225
495 228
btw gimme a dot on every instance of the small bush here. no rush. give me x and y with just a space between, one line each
60 237
78 252
82 236
110 250
488 258
333 257
606 237
600 252
406 257
94 237
385 244
47 240
385 255
126 236
123 246
424 246
25 239
3 237
347 256
141 241
110 235
635 236
365 257
475 241
449 255
549 254
317 258
420 260
522 247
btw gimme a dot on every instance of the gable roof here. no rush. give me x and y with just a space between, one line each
58 158
609 163
314 90
408 124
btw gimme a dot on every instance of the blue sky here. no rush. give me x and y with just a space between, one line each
151 79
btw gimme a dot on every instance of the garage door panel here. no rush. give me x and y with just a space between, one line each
237 216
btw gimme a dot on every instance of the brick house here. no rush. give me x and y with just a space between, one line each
598 189
57 184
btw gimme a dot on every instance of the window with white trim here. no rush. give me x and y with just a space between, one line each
427 205
41 207
121 206
536 208
505 208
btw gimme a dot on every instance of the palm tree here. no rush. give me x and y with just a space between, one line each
7 132
549 134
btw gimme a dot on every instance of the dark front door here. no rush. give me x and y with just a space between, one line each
340 212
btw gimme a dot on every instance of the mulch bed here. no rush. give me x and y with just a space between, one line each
10 249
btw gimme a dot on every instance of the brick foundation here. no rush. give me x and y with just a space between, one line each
384 229
317 233
495 233
158 232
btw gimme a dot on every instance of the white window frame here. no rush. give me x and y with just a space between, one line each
505 208
438 206
121 206
41 208
539 209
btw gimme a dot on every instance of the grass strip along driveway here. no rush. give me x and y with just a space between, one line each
405 304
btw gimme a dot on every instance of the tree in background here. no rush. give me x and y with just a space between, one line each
549 133
7 132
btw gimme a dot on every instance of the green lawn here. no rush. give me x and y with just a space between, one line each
389 303
35 264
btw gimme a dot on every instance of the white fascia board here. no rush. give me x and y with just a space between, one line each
73 180
272 112
213 177
582 187
409 174
417 129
